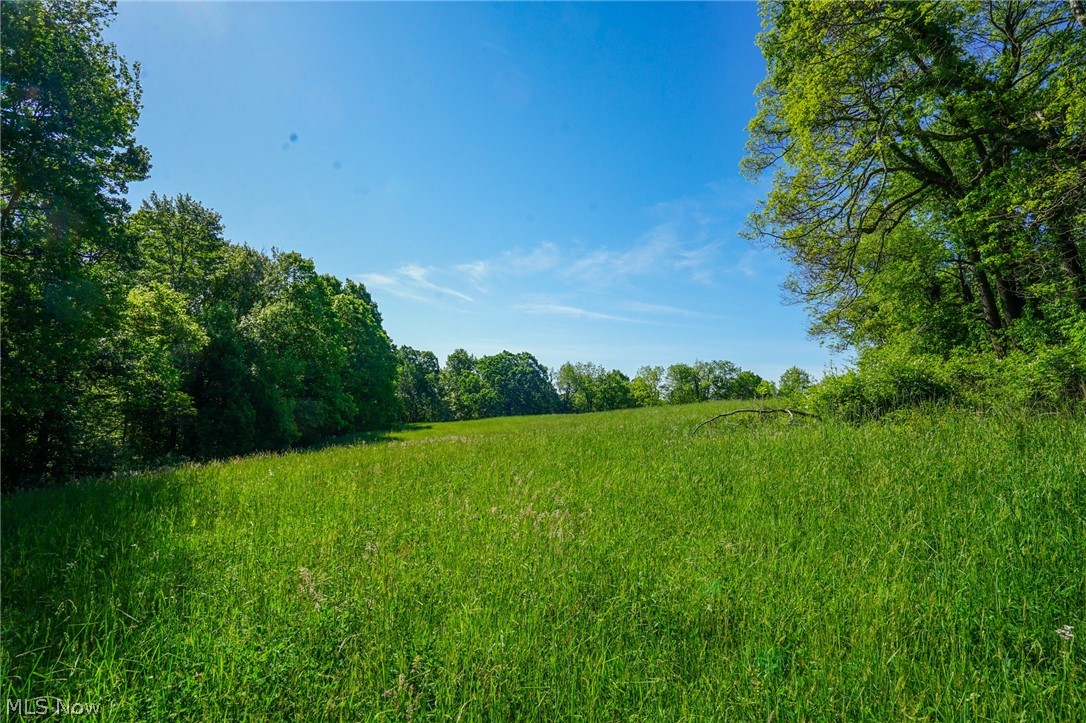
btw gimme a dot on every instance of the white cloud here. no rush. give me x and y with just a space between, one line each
690 242
668 248
419 277
391 285
564 310
543 258
476 272
412 282
665 310
604 266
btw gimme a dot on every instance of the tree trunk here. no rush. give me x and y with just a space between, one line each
1079 10
984 292
1071 260
987 300
44 443
1011 298
963 282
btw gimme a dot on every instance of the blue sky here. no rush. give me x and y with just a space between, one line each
554 178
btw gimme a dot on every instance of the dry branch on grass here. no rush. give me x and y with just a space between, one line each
790 412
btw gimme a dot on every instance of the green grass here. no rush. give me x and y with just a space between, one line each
606 566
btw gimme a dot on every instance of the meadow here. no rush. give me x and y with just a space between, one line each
606 566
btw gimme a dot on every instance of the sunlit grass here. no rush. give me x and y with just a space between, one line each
605 566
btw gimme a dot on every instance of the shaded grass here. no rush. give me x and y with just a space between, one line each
602 566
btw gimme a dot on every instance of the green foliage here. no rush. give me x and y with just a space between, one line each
68 110
577 385
709 380
418 386
1049 378
720 379
143 338
647 387
891 378
613 392
467 396
562 567
685 385
180 242
369 373
745 385
324 364
881 387
156 349
588 387
223 391
521 383
929 168
794 382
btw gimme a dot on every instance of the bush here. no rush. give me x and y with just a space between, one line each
883 382
1048 377
889 378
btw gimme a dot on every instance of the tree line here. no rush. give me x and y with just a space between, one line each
514 384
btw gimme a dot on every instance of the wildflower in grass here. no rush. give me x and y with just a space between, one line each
310 587
1066 632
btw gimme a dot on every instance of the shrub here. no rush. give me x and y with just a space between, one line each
883 382
890 378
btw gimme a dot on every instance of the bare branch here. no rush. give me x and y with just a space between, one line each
790 412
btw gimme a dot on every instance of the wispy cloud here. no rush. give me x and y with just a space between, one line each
665 310
604 266
564 310
412 281
693 239
543 258
419 276
665 249
475 272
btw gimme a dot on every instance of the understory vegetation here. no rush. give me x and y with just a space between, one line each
600 566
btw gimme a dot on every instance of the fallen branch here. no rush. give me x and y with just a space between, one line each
790 412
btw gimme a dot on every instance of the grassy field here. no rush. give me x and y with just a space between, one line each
602 567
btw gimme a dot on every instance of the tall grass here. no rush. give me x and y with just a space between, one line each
604 566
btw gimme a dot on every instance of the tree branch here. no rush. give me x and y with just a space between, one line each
790 412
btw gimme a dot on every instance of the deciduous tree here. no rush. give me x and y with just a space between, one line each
418 386
925 150
68 111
